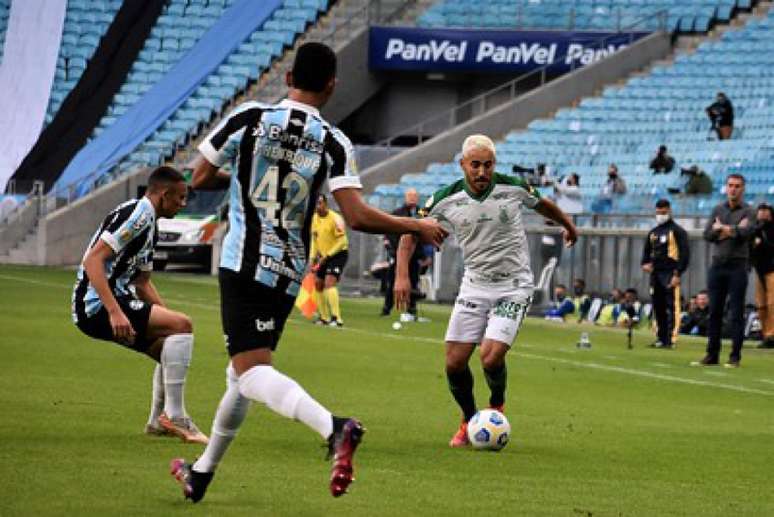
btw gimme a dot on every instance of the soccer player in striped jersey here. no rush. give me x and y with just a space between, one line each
483 210
115 300
284 153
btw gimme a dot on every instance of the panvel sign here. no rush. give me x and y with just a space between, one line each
495 51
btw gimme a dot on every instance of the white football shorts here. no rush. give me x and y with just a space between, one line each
492 312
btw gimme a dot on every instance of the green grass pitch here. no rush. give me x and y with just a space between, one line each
606 431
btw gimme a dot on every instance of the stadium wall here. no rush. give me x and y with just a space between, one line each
604 257
521 111
356 84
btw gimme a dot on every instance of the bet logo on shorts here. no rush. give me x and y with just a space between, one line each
264 326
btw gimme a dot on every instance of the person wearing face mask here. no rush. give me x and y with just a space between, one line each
581 300
614 186
562 306
763 262
665 257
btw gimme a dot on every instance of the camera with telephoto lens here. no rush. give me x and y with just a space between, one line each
631 311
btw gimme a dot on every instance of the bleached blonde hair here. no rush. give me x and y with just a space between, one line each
477 142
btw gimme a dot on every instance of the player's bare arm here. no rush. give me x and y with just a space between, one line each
402 285
146 290
548 209
94 264
364 218
207 176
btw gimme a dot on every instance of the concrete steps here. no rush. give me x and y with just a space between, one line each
26 252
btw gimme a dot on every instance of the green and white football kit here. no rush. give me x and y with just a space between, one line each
497 282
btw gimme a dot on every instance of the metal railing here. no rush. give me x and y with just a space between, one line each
507 92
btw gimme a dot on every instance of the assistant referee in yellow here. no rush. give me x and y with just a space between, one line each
328 256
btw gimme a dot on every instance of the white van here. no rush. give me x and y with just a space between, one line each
187 238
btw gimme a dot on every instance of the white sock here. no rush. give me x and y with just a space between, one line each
157 398
229 416
175 358
283 395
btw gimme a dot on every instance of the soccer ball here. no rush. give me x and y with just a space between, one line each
489 429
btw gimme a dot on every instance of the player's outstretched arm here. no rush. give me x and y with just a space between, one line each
94 265
364 218
402 284
207 176
548 209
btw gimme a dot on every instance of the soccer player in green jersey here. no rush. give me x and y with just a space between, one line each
483 211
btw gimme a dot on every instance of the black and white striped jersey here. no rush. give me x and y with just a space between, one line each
130 230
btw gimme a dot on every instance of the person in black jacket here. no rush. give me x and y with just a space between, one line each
763 262
665 256
662 162
409 209
696 321
721 114
729 229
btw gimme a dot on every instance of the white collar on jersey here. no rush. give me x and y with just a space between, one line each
300 105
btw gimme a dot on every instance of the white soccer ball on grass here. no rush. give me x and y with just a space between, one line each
489 430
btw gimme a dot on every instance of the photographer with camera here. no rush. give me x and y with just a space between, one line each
539 176
662 162
568 194
614 186
698 182
665 257
721 115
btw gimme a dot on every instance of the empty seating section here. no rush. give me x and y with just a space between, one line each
5 9
178 29
85 23
626 125
684 16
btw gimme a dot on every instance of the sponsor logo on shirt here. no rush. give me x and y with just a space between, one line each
275 266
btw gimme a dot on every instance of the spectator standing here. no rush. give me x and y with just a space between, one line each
721 115
697 319
729 229
763 262
662 162
614 186
409 209
568 194
665 257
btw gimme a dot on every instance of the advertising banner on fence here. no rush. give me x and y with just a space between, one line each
438 50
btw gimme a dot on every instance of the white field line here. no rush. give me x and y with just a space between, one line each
580 364
584 364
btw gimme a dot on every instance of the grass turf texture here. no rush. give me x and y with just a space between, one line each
606 431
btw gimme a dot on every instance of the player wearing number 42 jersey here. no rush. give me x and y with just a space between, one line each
284 154
483 211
